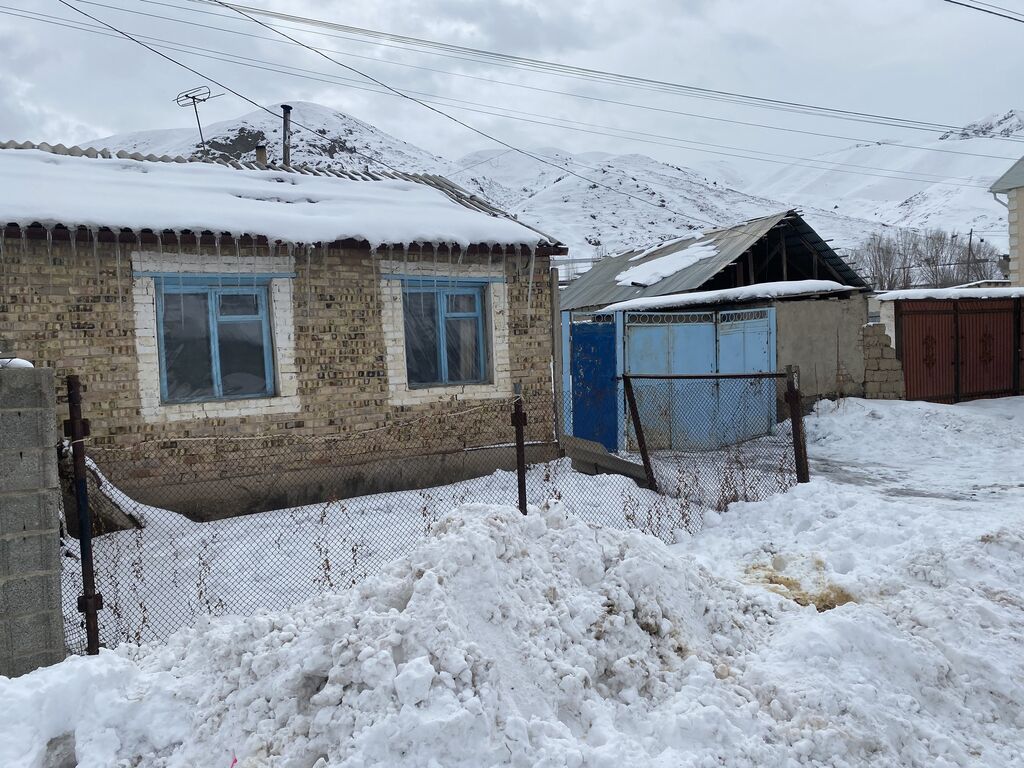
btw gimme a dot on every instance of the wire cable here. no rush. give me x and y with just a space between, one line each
492 81
207 77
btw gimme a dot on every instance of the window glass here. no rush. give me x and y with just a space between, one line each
242 366
444 339
213 344
186 346
421 337
462 302
463 348
236 304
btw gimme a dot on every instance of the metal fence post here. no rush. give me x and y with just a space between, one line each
77 429
796 416
519 422
638 429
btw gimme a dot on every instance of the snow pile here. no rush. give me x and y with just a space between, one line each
14 362
79 191
870 617
502 640
657 269
776 290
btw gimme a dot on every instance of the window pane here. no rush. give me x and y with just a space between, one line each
421 337
463 349
462 302
235 304
186 350
242 370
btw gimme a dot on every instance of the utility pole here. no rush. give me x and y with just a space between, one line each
970 256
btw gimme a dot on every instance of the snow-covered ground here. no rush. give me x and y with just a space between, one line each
870 617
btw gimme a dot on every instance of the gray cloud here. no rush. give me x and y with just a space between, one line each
914 58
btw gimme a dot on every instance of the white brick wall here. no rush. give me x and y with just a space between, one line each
282 335
1013 216
393 321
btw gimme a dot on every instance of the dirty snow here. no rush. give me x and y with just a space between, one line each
871 617
657 269
93 192
744 293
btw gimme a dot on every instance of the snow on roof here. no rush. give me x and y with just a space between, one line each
1012 179
952 293
658 269
48 188
779 290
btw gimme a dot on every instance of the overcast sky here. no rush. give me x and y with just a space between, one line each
922 59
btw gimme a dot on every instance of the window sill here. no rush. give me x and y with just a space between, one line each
406 394
267 407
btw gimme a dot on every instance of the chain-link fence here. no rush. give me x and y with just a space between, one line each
197 526
715 439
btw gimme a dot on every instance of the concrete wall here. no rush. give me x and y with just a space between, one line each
86 310
31 625
823 338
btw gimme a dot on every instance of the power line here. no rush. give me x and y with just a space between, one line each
502 59
206 77
990 10
566 124
440 112
538 89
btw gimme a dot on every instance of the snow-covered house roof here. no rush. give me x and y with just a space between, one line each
792 289
51 185
1012 179
690 262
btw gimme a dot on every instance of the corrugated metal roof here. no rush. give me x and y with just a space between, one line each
598 286
450 189
1012 179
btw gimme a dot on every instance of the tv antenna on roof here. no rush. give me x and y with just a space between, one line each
193 97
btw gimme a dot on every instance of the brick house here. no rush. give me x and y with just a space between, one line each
244 302
1011 184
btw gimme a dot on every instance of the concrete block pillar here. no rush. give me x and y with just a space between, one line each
31 622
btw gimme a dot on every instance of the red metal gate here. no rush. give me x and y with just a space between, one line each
960 349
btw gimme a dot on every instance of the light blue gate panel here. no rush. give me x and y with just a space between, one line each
694 402
675 414
647 351
746 345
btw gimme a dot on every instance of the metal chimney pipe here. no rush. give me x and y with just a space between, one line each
261 154
287 154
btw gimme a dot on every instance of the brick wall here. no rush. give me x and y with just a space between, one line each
75 308
883 373
1013 214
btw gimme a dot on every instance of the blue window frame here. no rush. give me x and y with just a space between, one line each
445 338
214 338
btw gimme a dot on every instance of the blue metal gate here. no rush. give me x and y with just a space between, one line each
667 343
685 414
595 401
745 345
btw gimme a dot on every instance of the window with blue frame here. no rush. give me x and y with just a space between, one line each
214 338
445 338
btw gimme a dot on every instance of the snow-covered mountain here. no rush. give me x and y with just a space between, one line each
600 203
335 140
952 174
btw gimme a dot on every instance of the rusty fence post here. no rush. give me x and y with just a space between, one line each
519 422
638 430
796 417
90 601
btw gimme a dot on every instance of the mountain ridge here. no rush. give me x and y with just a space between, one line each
600 202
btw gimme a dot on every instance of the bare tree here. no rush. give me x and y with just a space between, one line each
935 258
